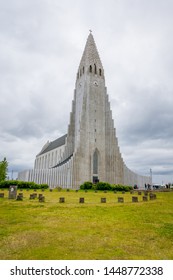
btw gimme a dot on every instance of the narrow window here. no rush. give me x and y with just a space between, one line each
95 162
95 69
83 70
90 69
100 72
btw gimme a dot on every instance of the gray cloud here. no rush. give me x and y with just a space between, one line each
41 43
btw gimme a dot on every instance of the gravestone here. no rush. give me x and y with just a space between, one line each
2 195
145 198
51 190
123 192
33 196
76 190
42 190
152 196
115 191
139 192
42 199
120 199
62 199
145 193
68 190
134 199
12 192
95 191
40 195
105 191
19 197
103 199
81 200
86 191
21 194
131 192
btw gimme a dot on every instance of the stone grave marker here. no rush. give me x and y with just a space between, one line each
81 200
145 193
19 197
139 192
42 199
62 199
103 199
40 195
33 196
120 199
145 198
12 192
134 199
2 195
152 196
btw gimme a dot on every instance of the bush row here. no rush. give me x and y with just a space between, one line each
104 187
22 184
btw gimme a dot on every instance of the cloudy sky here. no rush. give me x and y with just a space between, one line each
41 44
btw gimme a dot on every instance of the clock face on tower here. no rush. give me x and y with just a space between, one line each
96 83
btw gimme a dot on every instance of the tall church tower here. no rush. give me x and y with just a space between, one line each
89 151
96 153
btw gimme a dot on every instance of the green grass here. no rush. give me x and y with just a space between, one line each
93 230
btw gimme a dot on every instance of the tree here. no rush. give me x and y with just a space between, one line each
3 169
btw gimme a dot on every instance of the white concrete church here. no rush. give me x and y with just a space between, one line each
89 151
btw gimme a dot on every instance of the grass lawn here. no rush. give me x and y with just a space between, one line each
93 230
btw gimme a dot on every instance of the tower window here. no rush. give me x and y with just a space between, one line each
83 70
90 69
95 162
95 69
100 72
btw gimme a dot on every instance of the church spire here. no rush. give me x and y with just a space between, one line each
90 58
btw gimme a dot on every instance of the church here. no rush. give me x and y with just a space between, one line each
89 151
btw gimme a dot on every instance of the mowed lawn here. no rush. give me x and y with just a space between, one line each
93 230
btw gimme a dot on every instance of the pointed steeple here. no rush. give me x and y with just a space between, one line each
90 55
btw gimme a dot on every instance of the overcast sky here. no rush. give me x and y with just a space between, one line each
41 44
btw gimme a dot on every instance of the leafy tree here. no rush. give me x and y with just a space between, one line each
3 169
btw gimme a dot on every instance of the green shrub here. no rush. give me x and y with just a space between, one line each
121 188
22 184
86 186
103 186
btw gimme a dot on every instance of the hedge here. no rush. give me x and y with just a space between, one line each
105 187
22 185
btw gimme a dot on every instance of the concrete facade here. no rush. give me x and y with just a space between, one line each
89 151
